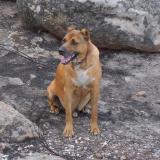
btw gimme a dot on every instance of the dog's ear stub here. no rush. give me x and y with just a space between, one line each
70 28
86 34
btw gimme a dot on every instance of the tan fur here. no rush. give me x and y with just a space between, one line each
72 95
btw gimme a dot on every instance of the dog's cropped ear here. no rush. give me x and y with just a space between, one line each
86 34
70 28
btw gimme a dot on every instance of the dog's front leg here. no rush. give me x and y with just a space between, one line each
68 130
94 105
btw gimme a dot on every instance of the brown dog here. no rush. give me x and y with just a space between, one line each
77 78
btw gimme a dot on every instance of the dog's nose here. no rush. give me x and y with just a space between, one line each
61 51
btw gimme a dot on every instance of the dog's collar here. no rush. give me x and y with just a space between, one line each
80 62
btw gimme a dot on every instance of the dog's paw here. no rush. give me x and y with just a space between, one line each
95 129
54 110
68 131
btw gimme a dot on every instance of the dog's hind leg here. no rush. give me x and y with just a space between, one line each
52 98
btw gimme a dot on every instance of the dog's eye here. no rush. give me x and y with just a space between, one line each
74 42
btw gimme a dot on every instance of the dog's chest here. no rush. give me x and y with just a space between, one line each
82 79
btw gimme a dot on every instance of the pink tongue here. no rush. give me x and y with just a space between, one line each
63 59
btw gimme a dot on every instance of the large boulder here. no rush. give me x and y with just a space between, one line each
114 24
14 127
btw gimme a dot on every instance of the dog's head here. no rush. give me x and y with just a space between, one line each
75 45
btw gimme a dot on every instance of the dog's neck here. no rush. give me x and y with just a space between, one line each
83 62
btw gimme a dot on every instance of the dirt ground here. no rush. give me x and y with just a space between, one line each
129 118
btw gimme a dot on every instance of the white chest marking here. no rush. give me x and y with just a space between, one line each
82 78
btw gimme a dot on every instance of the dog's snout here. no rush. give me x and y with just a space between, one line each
61 51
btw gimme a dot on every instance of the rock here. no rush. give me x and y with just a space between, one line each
98 156
115 24
32 76
75 114
4 146
3 157
10 81
141 94
15 81
123 157
14 126
41 156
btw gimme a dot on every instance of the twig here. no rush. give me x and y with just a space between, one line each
22 54
46 146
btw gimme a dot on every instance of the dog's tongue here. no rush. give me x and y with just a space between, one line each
65 60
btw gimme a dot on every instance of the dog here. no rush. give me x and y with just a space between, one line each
77 79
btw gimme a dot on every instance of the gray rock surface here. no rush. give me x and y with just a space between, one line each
41 156
14 127
129 121
115 24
